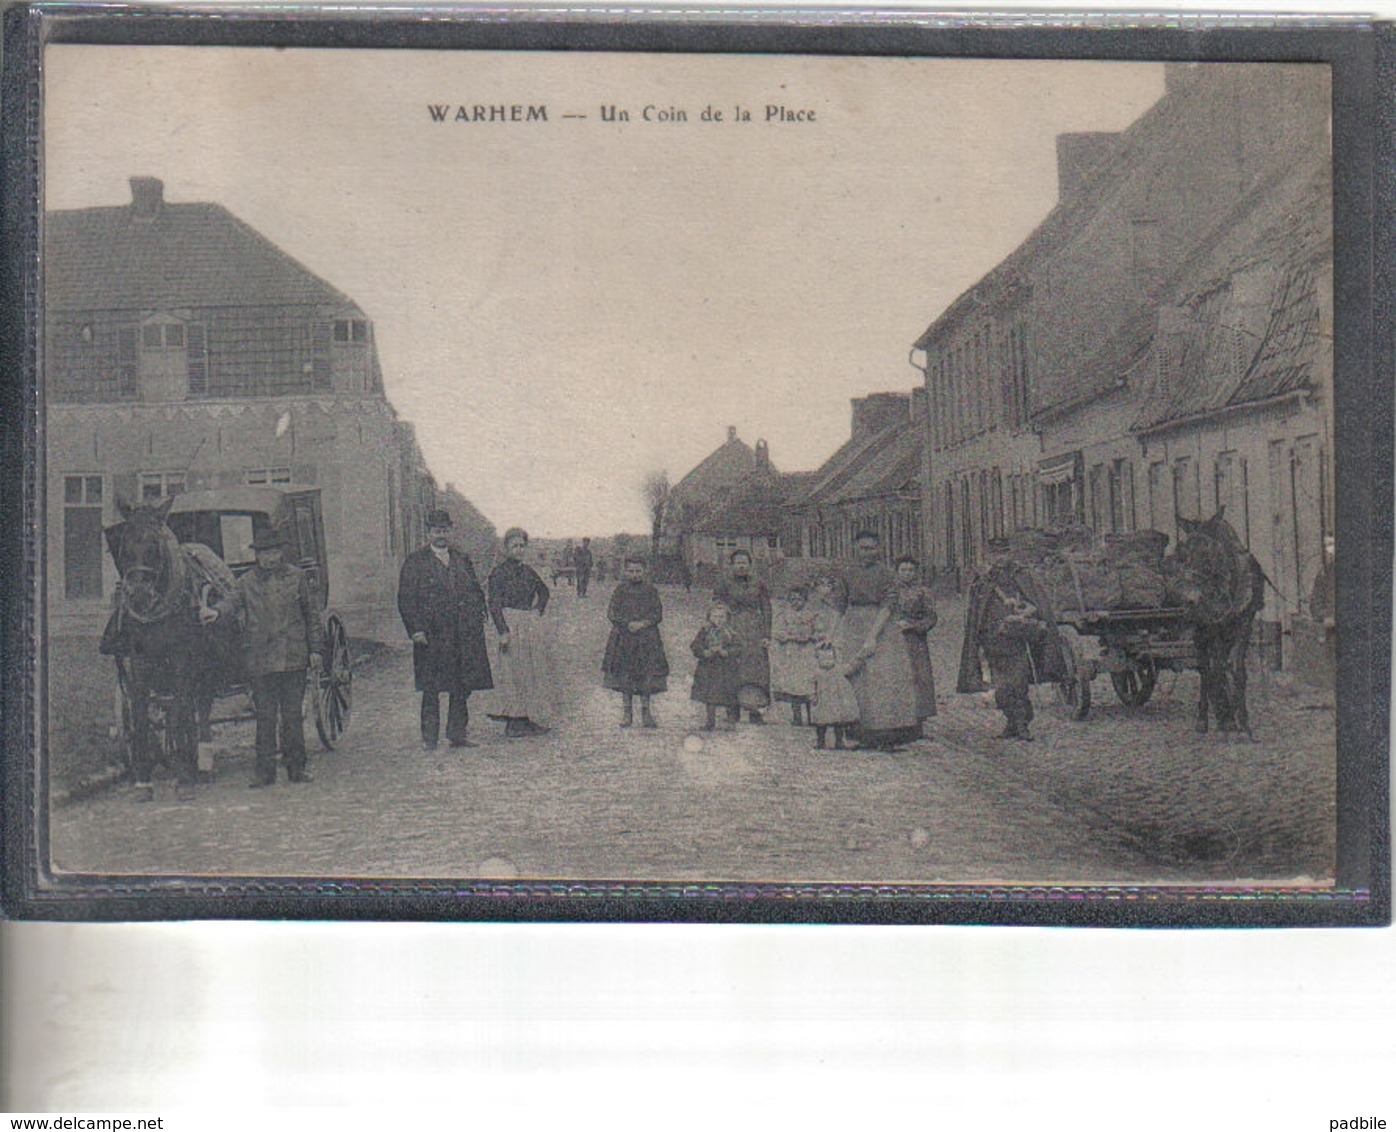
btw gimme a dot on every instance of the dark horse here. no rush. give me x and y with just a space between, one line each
161 647
1223 590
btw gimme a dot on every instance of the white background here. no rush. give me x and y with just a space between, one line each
335 1025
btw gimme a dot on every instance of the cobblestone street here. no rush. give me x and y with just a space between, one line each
1131 796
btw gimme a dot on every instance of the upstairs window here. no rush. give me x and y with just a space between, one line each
350 330
158 485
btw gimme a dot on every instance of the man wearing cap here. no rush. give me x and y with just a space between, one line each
1010 624
443 609
281 637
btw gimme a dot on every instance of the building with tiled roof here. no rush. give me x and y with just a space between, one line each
872 482
1161 344
184 350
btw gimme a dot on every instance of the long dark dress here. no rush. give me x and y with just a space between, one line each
883 683
917 608
635 662
718 677
750 606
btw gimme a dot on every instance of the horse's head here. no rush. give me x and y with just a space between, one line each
147 558
1215 582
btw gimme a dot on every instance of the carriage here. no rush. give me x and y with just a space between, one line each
216 528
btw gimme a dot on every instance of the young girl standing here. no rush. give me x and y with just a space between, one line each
792 652
832 703
635 664
717 680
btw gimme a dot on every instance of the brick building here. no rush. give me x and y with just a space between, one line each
183 350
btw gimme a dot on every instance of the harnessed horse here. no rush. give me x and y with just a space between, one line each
160 645
1223 590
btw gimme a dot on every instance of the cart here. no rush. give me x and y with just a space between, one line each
226 520
1132 645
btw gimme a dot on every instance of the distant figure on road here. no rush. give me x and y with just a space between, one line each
750 604
635 664
718 676
873 649
282 636
916 617
525 685
581 562
443 610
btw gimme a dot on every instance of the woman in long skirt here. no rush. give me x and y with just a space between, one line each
879 668
523 669
916 617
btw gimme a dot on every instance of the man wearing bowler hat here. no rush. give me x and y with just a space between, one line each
282 636
443 609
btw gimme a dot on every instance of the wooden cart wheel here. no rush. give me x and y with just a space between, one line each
1074 689
1135 685
334 698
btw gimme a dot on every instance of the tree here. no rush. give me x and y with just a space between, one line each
656 492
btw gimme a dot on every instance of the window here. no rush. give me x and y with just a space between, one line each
128 366
162 336
158 485
1187 489
258 477
82 536
350 330
196 364
1117 497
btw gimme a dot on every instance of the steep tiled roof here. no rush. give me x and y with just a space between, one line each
893 463
754 507
185 255
1214 361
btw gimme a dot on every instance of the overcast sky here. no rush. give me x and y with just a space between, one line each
563 307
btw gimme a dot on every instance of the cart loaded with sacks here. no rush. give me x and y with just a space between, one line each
1115 601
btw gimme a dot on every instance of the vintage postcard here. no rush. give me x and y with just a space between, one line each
705 470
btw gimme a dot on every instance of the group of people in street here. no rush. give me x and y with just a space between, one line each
848 653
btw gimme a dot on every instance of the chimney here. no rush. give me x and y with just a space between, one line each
147 197
877 411
1079 158
763 457
731 433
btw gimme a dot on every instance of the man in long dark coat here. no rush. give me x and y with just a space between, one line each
1010 623
443 609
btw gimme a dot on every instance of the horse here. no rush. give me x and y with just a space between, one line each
162 649
1223 589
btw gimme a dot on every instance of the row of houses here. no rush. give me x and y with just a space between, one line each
1160 347
184 350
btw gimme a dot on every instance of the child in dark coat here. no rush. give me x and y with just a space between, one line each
717 680
635 664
